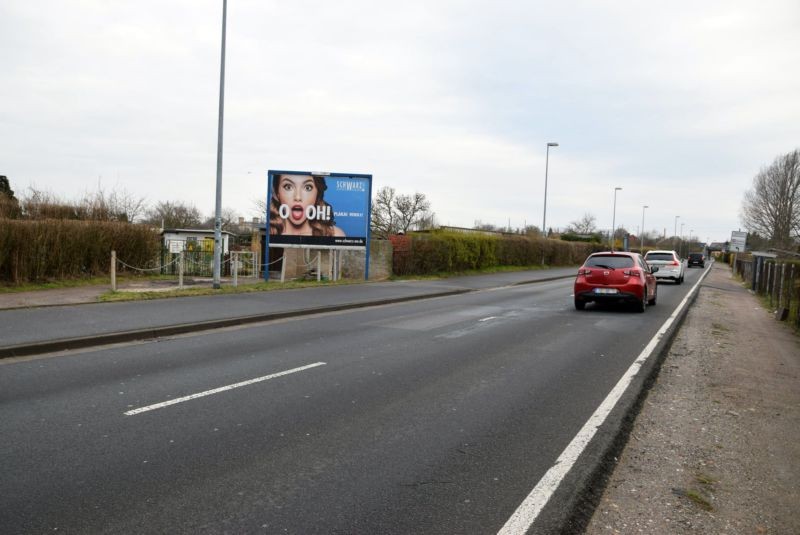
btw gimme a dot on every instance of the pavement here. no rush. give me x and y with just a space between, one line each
714 448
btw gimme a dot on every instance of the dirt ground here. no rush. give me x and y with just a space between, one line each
716 447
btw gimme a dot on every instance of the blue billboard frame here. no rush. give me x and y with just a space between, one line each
343 214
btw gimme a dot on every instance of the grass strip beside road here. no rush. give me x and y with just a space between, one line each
146 295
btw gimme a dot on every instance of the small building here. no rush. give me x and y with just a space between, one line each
176 240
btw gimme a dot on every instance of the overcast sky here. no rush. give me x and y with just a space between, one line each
679 103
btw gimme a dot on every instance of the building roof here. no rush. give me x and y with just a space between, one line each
193 231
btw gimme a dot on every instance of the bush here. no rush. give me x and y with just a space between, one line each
57 249
446 252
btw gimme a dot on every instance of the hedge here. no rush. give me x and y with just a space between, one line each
443 252
39 250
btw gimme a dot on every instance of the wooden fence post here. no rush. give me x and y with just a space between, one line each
113 271
235 268
180 270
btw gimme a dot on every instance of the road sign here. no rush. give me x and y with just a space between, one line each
738 241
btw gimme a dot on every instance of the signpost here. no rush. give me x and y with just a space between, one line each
738 242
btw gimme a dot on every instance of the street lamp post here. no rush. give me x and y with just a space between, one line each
675 231
218 203
641 237
544 214
614 218
682 240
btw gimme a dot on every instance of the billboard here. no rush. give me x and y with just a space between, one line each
318 210
738 241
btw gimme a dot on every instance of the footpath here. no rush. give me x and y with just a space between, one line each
715 448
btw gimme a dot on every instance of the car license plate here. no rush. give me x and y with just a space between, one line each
605 291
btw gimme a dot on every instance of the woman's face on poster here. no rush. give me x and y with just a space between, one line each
297 193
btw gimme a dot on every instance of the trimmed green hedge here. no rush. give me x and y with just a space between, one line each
45 249
442 252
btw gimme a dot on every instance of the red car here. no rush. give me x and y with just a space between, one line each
616 277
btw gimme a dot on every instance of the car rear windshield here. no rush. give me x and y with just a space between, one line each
659 256
608 261
695 255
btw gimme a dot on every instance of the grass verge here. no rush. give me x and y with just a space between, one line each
122 295
74 283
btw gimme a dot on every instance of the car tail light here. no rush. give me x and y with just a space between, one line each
585 272
674 263
631 272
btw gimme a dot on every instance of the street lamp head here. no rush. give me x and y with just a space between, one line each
645 206
552 144
617 189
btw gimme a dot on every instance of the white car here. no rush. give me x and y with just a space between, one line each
668 263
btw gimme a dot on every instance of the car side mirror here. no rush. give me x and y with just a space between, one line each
653 269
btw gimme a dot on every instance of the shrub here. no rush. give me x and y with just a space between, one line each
444 252
58 249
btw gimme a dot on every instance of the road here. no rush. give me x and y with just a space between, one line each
434 416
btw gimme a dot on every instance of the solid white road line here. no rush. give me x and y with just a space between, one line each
221 389
526 514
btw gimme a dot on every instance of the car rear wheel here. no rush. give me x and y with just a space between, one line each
580 305
652 301
641 306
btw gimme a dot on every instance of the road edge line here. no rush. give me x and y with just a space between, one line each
534 503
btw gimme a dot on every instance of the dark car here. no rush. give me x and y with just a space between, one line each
616 277
696 259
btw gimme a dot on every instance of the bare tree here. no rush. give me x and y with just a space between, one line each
95 206
532 230
260 207
393 213
383 213
173 215
125 206
771 208
228 217
585 225
411 210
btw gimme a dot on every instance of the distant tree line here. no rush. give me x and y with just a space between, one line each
119 206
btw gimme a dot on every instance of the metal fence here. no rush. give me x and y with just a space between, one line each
778 281
235 265
201 264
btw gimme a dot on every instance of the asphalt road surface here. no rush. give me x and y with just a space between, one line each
435 416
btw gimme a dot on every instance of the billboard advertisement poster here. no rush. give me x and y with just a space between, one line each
738 241
319 210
